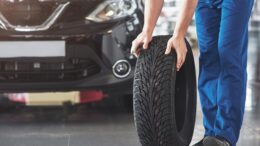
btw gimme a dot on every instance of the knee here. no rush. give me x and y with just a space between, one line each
209 64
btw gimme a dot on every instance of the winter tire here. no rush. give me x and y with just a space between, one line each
164 99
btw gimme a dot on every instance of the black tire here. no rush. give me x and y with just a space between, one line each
164 100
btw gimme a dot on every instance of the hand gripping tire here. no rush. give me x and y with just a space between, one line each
164 100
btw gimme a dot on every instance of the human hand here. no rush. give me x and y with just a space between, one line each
177 43
142 39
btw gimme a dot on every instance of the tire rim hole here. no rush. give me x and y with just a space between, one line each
180 99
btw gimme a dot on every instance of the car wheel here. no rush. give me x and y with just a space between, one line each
164 100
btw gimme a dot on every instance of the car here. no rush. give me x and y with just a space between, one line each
68 45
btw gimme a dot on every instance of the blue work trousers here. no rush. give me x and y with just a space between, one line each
222 29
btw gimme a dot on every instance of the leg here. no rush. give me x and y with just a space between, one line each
233 38
208 23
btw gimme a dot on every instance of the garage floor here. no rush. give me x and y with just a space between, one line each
103 125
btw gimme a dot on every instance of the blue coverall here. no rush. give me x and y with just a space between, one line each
222 29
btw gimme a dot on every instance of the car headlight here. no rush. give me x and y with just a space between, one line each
112 9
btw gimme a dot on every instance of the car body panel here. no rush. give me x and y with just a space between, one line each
93 47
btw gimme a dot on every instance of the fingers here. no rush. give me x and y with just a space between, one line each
138 51
181 50
146 42
169 47
181 56
134 48
180 61
136 45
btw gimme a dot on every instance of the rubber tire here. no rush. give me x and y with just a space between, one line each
164 100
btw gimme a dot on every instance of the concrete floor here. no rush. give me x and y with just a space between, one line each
104 125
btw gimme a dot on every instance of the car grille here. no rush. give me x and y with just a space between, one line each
28 71
27 13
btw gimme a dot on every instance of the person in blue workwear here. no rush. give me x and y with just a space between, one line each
222 29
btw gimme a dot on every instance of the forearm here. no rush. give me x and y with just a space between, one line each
185 16
152 12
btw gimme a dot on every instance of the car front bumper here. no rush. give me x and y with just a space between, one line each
107 82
